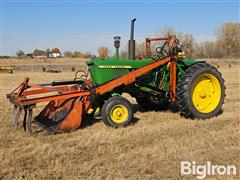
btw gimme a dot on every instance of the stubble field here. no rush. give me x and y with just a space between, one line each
152 148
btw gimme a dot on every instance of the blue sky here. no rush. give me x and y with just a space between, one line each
87 25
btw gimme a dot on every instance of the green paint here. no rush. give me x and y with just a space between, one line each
104 70
135 64
117 53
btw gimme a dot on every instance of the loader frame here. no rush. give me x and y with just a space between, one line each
82 98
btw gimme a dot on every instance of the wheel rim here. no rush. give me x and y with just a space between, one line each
206 93
119 113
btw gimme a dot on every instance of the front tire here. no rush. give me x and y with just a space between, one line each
117 112
200 92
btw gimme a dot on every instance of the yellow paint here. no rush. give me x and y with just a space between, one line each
118 67
168 64
119 113
181 55
97 110
206 93
90 110
6 68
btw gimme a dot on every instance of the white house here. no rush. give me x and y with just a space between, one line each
54 55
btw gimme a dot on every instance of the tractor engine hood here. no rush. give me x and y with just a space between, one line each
104 70
119 63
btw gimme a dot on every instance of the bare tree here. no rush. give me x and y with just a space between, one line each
103 52
228 37
47 52
141 50
68 54
78 54
38 52
188 45
20 53
227 43
165 31
89 55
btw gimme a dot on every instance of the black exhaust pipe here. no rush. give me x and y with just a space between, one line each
131 42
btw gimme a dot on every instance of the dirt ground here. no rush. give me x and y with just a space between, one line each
152 148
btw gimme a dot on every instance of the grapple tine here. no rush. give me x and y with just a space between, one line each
25 120
29 121
16 122
14 113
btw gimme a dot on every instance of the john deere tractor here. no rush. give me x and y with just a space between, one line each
161 77
195 86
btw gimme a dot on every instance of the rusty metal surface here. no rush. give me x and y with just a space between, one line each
62 115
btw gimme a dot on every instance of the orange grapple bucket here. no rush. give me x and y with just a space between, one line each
61 115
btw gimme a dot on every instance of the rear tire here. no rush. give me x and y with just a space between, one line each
200 92
117 112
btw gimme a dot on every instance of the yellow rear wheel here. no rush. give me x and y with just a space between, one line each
206 93
200 92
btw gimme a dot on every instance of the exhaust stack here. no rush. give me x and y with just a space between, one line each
131 42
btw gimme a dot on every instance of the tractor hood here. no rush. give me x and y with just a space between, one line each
120 63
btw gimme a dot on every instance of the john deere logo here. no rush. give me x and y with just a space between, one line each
118 67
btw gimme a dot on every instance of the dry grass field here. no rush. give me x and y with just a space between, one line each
152 148
46 61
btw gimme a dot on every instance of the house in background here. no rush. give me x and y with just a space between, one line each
55 53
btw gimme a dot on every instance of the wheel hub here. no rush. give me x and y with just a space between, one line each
202 94
119 113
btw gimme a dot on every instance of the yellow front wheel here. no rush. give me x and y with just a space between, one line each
200 92
117 112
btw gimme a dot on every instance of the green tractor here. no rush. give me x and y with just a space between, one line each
196 87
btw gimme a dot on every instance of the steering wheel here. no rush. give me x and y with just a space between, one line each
161 52
81 75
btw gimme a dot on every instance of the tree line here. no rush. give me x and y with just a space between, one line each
37 52
103 52
226 45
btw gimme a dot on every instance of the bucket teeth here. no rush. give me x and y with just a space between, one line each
57 116
27 121
15 116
